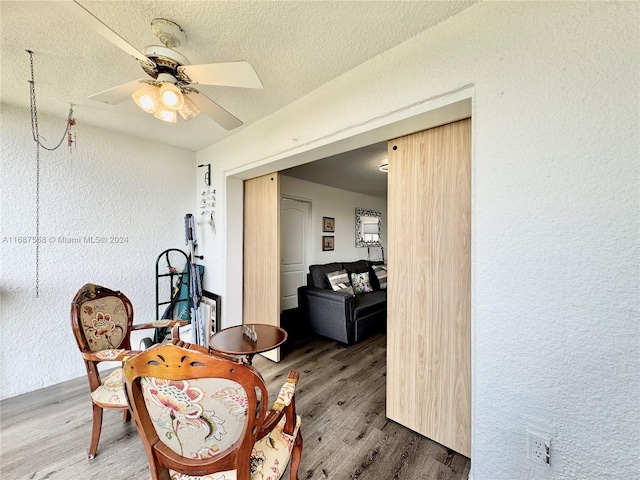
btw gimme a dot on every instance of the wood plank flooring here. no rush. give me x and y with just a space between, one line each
340 396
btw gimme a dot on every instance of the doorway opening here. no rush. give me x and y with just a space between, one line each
444 109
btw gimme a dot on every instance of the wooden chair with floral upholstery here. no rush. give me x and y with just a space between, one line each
102 321
203 416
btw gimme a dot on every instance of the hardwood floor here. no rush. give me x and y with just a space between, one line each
340 396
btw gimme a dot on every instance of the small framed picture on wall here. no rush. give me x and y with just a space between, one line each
328 224
327 243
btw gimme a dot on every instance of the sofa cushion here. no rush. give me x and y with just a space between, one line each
356 267
372 276
369 303
361 283
381 275
318 274
339 281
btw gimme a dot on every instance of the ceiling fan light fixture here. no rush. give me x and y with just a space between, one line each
171 96
146 98
166 114
189 110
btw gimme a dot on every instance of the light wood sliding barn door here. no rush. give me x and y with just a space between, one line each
261 292
429 291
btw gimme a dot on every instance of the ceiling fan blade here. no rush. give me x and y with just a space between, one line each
118 94
95 24
231 74
214 111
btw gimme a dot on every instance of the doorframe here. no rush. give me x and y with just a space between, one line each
309 229
433 112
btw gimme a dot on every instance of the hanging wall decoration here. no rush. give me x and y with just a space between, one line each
208 200
207 207
328 243
71 141
328 224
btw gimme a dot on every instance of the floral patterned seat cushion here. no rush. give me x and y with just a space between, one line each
285 395
196 418
111 394
269 457
104 322
203 417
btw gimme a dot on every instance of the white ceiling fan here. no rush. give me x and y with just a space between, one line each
169 89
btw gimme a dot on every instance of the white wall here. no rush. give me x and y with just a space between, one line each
211 239
339 204
555 254
111 185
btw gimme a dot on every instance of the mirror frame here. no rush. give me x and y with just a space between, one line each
360 241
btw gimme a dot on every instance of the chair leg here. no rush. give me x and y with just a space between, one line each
295 456
126 415
95 431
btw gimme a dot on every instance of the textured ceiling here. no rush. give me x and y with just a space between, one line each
295 47
356 170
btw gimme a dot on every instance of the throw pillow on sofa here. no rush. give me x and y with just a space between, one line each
339 281
361 283
381 275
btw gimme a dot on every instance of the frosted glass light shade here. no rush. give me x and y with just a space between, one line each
166 114
146 98
171 96
189 110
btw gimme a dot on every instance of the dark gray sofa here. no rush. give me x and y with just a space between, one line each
338 315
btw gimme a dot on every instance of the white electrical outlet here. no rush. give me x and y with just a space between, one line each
539 448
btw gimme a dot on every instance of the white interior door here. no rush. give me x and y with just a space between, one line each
294 237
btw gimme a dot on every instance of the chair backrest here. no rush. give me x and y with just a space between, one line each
101 319
197 412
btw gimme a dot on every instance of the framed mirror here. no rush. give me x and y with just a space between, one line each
368 228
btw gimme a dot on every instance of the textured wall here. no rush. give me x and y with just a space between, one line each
111 186
555 253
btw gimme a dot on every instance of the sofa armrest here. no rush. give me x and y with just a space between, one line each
329 295
329 313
